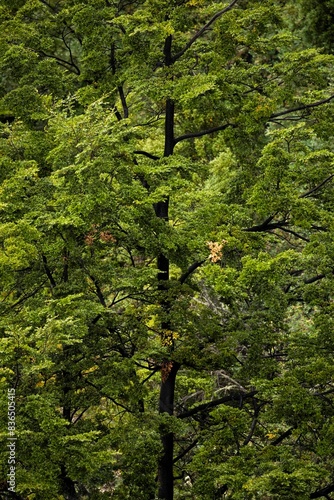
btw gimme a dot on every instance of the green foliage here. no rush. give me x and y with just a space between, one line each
111 113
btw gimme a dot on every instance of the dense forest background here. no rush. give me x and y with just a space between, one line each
167 248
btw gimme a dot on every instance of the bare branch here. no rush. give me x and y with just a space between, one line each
149 155
150 122
79 416
66 256
153 372
190 270
297 235
98 291
103 394
316 188
314 279
123 101
97 288
287 118
26 296
257 409
282 437
301 108
68 46
321 394
48 272
55 10
185 451
267 226
99 316
203 30
48 5
234 396
118 114
203 132
66 64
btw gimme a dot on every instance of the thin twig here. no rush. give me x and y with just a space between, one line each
297 235
316 188
185 451
235 396
66 64
192 135
103 394
301 108
200 32
68 46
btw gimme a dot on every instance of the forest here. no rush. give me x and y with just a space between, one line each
167 249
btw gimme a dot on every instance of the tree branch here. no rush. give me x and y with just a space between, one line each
297 235
200 32
323 492
330 391
26 296
66 256
48 272
301 108
266 226
282 437
149 155
56 10
314 279
123 101
257 409
185 451
66 64
104 395
316 188
98 291
68 46
203 132
234 396
153 372
48 5
118 114
97 288
79 416
190 270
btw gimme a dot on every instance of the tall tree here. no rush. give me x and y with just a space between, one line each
167 264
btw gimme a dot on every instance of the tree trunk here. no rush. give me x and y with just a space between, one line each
67 485
169 368
166 405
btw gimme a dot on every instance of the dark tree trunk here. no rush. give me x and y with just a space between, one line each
166 405
169 128
67 484
68 489
169 368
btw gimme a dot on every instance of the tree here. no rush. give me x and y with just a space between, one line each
318 28
167 250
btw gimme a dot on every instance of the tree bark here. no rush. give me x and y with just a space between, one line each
166 405
67 485
169 368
